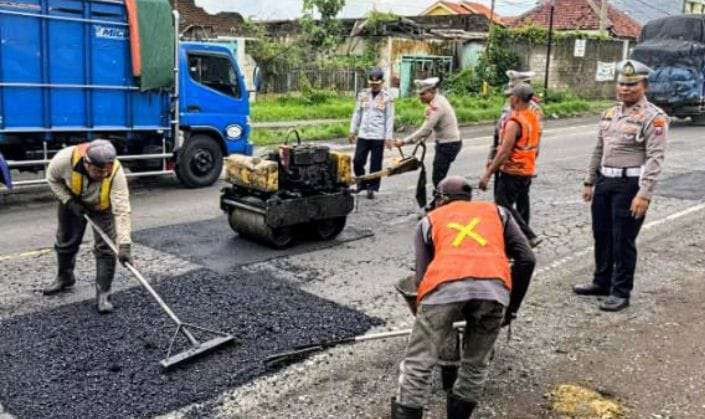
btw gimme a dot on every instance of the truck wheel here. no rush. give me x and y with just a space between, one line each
200 162
329 228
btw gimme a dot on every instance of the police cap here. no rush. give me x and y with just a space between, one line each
426 84
632 71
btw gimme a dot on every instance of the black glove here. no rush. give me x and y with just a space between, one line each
508 317
76 206
124 254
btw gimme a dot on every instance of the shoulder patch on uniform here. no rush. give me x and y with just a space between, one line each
659 122
609 113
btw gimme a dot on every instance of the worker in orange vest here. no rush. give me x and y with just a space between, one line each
462 273
88 179
515 161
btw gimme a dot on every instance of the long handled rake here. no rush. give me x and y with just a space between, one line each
197 348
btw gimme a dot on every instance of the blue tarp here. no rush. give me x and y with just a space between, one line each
676 84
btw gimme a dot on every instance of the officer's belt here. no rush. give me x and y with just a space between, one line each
620 171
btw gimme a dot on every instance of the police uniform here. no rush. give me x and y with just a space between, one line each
442 122
625 163
373 122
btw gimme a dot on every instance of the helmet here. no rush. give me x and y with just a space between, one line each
454 187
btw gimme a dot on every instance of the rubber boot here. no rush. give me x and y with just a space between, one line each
399 411
64 278
105 271
449 373
457 408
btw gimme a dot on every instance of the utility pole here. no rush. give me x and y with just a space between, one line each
548 50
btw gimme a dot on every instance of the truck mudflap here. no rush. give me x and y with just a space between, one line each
5 176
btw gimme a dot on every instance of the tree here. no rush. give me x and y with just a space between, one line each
323 34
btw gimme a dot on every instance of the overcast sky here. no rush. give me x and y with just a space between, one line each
287 9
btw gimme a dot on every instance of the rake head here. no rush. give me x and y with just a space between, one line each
197 349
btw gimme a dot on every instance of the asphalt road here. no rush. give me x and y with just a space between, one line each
554 330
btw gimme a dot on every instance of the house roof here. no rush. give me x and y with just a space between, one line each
466 8
481 9
580 15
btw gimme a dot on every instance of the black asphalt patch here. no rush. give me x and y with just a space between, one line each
686 186
72 362
212 244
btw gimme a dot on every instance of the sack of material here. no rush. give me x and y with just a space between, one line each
151 42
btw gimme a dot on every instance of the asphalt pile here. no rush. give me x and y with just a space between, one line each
213 244
72 362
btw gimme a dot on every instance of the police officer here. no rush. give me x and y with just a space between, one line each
441 121
515 161
372 126
620 183
462 273
88 179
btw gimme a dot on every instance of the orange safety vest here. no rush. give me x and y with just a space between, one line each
468 242
79 152
522 161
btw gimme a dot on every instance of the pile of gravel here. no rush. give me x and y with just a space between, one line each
72 362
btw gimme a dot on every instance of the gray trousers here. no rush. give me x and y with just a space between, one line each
432 331
70 231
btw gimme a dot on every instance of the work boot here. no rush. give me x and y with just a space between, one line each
399 411
614 303
64 278
105 271
449 373
457 408
370 194
590 289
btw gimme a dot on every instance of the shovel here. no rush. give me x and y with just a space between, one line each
197 348
301 351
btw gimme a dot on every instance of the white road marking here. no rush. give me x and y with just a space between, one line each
648 226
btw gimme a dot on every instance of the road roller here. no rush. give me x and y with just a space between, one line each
295 191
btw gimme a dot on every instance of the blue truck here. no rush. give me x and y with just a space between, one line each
65 78
674 48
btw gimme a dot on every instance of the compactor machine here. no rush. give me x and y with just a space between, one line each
296 190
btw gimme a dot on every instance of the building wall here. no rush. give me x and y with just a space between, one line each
566 71
694 6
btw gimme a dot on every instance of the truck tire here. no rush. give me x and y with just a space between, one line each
200 162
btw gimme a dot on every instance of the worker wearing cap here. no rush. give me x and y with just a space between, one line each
441 121
620 182
515 160
372 126
462 273
88 179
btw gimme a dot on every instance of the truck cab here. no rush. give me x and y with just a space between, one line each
213 112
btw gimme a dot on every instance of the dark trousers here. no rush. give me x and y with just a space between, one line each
69 235
512 192
363 148
615 231
444 156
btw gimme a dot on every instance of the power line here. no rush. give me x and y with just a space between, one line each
653 7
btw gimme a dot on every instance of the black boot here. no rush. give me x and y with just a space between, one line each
457 408
449 373
105 271
64 278
399 411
